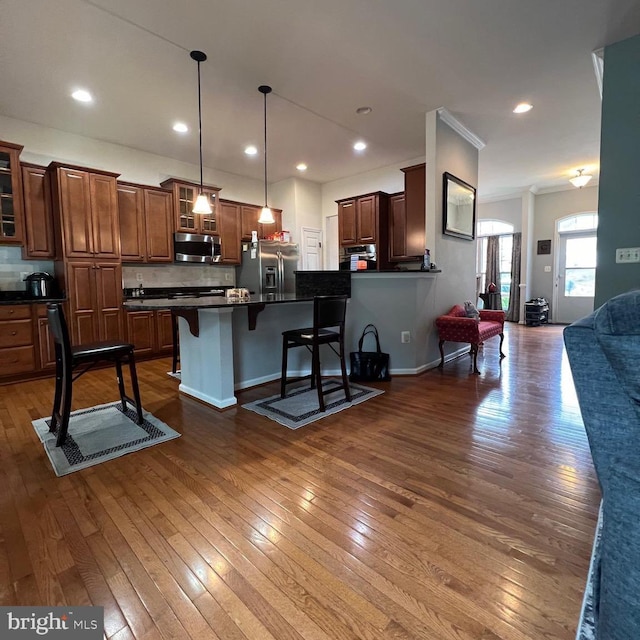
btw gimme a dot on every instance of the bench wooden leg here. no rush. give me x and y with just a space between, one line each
474 350
502 355
441 354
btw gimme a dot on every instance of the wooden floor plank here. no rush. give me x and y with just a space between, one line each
451 507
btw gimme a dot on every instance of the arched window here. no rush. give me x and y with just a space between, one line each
486 228
580 222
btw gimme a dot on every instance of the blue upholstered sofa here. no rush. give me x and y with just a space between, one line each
604 354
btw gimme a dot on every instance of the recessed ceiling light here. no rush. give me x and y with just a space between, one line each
81 95
251 150
363 111
180 127
360 146
523 107
301 167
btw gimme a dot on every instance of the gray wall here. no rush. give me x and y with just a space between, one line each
619 213
505 210
548 209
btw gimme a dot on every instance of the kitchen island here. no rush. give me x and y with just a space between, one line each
223 347
227 346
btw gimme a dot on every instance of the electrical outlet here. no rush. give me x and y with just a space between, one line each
139 277
405 337
228 277
631 254
23 274
547 268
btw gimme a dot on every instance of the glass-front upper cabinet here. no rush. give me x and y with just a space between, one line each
11 205
184 197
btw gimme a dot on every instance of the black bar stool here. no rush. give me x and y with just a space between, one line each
69 357
328 328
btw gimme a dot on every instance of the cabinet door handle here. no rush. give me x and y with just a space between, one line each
13 333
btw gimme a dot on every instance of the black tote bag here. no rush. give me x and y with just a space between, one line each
369 366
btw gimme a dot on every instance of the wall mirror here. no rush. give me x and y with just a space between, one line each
458 208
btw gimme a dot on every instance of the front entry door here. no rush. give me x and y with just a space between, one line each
576 276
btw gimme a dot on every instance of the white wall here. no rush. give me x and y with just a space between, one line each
43 145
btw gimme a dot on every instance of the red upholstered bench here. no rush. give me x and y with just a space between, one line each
455 326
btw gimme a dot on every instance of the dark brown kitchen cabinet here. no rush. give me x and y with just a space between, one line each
164 331
86 203
397 227
38 213
250 214
184 197
94 290
150 332
229 226
17 349
146 223
11 204
46 344
364 220
415 206
367 219
141 332
347 225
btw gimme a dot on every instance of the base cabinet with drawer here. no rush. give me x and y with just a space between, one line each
17 348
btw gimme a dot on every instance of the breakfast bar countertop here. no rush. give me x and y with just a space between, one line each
212 302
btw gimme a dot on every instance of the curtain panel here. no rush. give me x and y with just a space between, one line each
513 312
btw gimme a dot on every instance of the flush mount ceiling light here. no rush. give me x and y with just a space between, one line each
82 95
301 167
523 107
202 204
580 180
251 150
363 111
180 127
360 146
266 215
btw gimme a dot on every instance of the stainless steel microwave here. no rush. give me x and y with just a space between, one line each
195 247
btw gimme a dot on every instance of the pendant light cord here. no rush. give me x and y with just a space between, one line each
200 123
265 150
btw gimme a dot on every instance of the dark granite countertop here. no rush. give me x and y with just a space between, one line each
212 302
23 297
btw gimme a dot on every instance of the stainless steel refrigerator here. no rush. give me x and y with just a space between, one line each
268 266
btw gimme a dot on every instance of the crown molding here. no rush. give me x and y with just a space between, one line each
597 57
460 129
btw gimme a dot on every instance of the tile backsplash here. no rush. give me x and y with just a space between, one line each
13 268
177 275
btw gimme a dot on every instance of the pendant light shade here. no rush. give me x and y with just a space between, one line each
580 180
202 204
266 215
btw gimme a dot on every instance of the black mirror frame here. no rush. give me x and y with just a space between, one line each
446 177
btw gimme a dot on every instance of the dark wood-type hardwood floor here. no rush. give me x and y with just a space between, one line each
453 506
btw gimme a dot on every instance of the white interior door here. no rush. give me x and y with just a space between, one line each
311 249
575 277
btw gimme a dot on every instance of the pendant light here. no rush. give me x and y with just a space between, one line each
202 204
580 180
266 215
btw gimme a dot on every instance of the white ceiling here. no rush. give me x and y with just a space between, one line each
477 58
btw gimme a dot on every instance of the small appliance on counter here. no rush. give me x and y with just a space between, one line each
358 258
40 285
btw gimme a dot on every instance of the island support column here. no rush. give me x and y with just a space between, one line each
206 362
